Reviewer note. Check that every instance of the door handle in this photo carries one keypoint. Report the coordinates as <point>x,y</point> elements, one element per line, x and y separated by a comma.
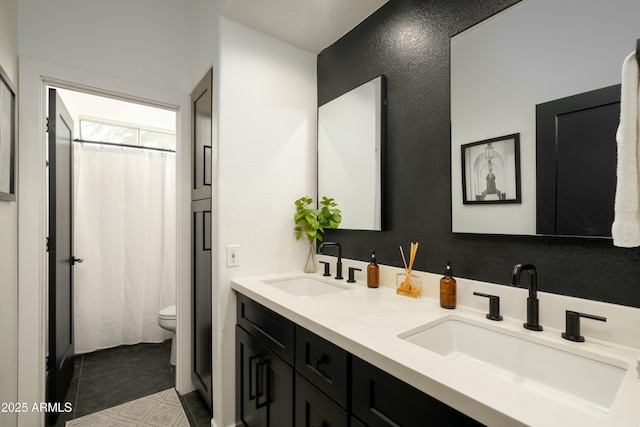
<point>75,260</point>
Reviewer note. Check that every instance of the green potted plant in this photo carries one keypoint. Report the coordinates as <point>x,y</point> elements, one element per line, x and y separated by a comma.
<point>312,223</point>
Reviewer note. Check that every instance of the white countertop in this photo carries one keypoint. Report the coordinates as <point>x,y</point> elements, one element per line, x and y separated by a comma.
<point>366,322</point>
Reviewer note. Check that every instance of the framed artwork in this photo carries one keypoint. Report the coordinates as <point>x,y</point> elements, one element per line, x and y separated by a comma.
<point>491,170</point>
<point>8,126</point>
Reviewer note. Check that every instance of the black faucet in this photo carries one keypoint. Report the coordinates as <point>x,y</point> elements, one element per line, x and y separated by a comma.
<point>572,329</point>
<point>533,312</point>
<point>327,268</point>
<point>494,306</point>
<point>339,263</point>
<point>352,274</point>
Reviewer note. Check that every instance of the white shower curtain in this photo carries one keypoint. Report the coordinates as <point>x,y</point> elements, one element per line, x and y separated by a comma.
<point>124,217</point>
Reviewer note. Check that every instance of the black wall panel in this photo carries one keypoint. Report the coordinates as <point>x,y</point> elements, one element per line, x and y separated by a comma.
<point>408,42</point>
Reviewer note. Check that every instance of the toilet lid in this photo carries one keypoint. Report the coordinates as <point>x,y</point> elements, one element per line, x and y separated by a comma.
<point>168,312</point>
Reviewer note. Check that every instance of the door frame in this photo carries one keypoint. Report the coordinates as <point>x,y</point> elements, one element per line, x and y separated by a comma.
<point>34,76</point>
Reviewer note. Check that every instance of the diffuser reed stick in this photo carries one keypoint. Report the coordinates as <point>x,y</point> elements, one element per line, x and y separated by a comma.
<point>404,260</point>
<point>406,287</point>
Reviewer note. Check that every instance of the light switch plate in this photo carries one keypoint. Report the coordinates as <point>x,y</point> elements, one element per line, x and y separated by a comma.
<point>233,255</point>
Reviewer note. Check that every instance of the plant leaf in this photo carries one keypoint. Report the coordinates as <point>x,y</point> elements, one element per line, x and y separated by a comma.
<point>313,222</point>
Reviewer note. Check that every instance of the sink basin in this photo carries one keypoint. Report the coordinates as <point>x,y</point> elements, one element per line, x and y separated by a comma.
<point>305,287</point>
<point>577,379</point>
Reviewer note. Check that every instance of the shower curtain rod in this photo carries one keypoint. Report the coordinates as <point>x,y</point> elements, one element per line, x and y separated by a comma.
<point>113,144</point>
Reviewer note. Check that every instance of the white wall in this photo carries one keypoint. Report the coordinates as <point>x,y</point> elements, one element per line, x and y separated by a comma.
<point>266,152</point>
<point>9,236</point>
<point>203,43</point>
<point>9,39</point>
<point>144,41</point>
<point>137,50</point>
<point>264,132</point>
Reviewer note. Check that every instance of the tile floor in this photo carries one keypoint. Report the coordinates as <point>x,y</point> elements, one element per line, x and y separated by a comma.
<point>118,375</point>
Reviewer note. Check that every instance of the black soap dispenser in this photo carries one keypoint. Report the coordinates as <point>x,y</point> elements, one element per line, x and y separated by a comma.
<point>373,272</point>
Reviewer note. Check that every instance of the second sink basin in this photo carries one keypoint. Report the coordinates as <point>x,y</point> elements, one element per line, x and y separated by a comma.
<point>303,286</point>
<point>552,371</point>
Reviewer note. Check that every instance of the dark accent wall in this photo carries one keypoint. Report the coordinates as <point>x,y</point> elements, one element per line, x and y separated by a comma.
<point>408,42</point>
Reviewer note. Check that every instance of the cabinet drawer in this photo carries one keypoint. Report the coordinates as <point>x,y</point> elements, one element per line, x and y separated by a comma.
<point>272,330</point>
<point>324,364</point>
<point>380,400</point>
<point>314,409</point>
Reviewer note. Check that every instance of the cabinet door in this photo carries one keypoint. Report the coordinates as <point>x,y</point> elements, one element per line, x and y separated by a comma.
<point>201,298</point>
<point>381,400</point>
<point>314,409</point>
<point>264,385</point>
<point>276,377</point>
<point>201,147</point>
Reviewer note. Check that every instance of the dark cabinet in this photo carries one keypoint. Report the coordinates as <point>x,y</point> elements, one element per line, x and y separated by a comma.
<point>268,347</point>
<point>381,400</point>
<point>265,384</point>
<point>201,235</point>
<point>264,366</point>
<point>328,387</point>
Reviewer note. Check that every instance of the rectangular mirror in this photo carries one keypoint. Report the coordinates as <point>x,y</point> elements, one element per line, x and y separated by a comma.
<point>351,137</point>
<point>535,52</point>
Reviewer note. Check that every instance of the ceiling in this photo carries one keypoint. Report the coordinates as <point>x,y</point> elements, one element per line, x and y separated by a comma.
<point>311,25</point>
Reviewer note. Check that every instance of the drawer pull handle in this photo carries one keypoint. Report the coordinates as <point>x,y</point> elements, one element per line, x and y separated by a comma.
<point>253,372</point>
<point>321,361</point>
<point>263,387</point>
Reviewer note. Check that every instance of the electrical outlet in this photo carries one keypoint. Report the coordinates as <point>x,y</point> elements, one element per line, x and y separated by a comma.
<point>233,255</point>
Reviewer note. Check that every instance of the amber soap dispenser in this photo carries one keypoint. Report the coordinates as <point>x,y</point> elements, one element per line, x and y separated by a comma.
<point>373,272</point>
<point>448,288</point>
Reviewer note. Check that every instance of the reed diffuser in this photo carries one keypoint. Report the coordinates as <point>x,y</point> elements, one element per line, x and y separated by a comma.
<point>409,284</point>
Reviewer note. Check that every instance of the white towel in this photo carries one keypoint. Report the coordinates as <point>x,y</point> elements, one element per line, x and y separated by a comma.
<point>626,225</point>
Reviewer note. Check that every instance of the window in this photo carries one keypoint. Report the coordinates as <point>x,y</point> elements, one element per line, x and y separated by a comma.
<point>94,130</point>
<point>155,139</point>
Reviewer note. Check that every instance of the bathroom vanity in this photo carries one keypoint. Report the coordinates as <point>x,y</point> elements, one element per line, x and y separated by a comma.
<point>287,375</point>
<point>344,354</point>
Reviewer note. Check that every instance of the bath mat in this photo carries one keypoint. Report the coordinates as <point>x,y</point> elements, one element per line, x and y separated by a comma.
<point>157,410</point>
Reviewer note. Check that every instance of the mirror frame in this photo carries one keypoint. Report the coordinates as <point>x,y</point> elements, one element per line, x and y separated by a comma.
<point>348,199</point>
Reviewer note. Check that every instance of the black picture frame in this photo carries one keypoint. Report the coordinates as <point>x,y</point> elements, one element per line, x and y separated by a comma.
<point>491,171</point>
<point>8,125</point>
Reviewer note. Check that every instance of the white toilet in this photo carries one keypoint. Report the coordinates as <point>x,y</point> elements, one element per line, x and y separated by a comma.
<point>167,320</point>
